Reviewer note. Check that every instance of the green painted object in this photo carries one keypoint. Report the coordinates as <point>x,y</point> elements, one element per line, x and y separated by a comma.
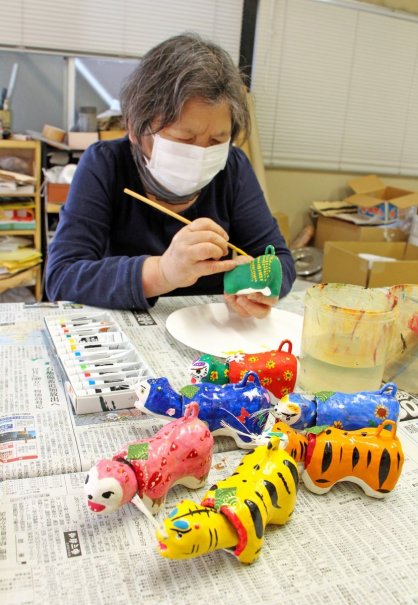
<point>263,274</point>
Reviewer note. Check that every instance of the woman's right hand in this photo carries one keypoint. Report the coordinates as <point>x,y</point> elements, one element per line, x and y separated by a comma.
<point>194,251</point>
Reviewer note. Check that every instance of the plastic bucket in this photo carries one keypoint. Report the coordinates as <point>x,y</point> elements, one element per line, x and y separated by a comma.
<point>345,337</point>
<point>402,358</point>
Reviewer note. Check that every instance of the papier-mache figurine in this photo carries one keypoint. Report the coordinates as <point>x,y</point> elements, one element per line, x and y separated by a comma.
<point>277,369</point>
<point>238,410</point>
<point>348,411</point>
<point>370,457</point>
<point>143,472</point>
<point>234,513</point>
<point>262,274</point>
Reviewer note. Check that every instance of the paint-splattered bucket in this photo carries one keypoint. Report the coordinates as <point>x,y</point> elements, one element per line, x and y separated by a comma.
<point>402,359</point>
<point>346,332</point>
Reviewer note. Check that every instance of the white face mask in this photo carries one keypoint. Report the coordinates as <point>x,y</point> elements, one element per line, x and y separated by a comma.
<point>184,169</point>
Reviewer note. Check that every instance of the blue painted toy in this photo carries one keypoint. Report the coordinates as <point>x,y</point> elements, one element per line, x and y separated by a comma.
<point>349,411</point>
<point>226,409</point>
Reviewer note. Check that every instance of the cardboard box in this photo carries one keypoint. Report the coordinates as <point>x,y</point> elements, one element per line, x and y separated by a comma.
<point>56,193</point>
<point>335,229</point>
<point>107,135</point>
<point>394,202</point>
<point>343,264</point>
<point>53,133</point>
<point>81,140</point>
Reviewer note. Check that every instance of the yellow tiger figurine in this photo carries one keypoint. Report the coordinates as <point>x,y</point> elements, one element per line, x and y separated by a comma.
<point>370,457</point>
<point>234,513</point>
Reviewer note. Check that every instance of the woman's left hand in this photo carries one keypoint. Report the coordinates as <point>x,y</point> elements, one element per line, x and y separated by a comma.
<point>251,305</point>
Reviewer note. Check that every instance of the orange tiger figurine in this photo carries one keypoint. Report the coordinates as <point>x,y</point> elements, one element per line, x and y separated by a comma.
<point>370,457</point>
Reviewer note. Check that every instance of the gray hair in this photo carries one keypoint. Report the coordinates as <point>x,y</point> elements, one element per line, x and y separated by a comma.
<point>181,68</point>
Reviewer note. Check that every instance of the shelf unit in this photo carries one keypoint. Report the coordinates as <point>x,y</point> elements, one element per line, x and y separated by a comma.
<point>29,151</point>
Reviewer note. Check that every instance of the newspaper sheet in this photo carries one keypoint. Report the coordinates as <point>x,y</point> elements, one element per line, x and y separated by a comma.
<point>338,548</point>
<point>39,433</point>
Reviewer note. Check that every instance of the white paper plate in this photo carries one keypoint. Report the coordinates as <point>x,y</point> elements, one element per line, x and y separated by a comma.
<point>215,330</point>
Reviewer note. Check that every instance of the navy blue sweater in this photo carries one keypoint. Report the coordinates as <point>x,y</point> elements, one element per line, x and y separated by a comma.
<point>104,235</point>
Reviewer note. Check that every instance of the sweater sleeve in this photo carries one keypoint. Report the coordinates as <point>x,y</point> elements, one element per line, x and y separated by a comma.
<point>79,265</point>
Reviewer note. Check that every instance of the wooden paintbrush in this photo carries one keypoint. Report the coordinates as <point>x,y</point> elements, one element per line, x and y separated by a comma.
<point>173,214</point>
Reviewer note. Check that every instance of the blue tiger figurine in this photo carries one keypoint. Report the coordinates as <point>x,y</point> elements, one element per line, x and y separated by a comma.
<point>239,410</point>
<point>349,411</point>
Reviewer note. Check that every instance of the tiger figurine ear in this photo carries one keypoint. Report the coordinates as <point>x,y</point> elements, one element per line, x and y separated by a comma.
<point>262,274</point>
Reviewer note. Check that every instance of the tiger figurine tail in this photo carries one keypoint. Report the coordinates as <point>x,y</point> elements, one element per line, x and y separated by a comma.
<point>370,457</point>
<point>234,513</point>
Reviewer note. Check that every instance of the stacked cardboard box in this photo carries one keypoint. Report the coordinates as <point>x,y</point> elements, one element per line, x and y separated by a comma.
<point>367,263</point>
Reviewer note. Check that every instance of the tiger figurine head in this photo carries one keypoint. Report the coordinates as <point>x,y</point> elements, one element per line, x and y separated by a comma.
<point>191,530</point>
<point>370,457</point>
<point>234,513</point>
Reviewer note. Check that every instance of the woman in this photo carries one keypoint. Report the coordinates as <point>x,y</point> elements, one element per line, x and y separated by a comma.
<point>184,107</point>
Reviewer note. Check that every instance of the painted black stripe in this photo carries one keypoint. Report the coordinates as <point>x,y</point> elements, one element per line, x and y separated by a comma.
<point>327,457</point>
<point>283,480</point>
<point>262,500</point>
<point>369,457</point>
<point>272,492</point>
<point>256,517</point>
<point>293,471</point>
<point>211,538</point>
<point>205,510</point>
<point>355,457</point>
<point>384,467</point>
<point>216,538</point>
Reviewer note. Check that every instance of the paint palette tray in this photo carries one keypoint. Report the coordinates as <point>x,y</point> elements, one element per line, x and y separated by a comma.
<point>98,363</point>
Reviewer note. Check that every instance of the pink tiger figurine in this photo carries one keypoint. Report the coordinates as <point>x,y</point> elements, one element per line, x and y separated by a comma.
<point>180,452</point>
